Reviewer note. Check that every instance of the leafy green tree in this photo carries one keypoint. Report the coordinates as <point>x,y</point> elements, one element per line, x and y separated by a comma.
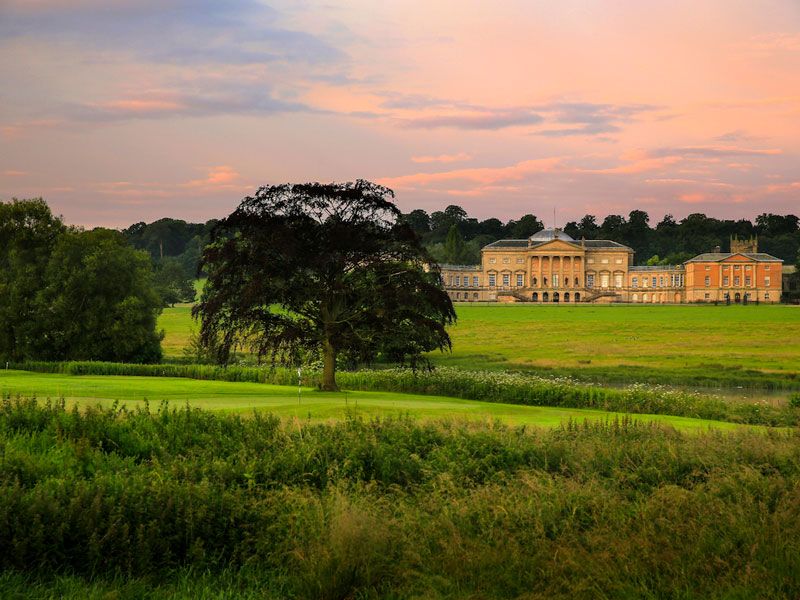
<point>454,246</point>
<point>419,221</point>
<point>525,227</point>
<point>321,268</point>
<point>98,301</point>
<point>172,282</point>
<point>28,234</point>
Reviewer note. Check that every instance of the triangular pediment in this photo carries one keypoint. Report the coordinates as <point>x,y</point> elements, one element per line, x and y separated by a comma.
<point>558,245</point>
<point>738,258</point>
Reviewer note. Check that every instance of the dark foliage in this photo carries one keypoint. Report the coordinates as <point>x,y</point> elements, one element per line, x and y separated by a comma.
<point>330,268</point>
<point>68,294</point>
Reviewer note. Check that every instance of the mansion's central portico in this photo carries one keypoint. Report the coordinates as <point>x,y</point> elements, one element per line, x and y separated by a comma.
<point>551,266</point>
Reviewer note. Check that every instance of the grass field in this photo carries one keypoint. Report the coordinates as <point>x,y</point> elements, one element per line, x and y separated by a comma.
<point>756,346</point>
<point>312,405</point>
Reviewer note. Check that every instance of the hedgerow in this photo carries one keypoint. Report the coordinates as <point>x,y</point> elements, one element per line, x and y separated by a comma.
<point>486,386</point>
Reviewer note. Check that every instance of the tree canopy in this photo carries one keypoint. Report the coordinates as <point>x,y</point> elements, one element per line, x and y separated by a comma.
<point>330,269</point>
<point>69,294</point>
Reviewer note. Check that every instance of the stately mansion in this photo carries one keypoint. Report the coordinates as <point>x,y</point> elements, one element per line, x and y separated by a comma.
<point>550,266</point>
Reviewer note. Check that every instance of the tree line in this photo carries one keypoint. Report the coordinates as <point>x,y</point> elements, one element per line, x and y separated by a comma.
<point>452,236</point>
<point>71,294</point>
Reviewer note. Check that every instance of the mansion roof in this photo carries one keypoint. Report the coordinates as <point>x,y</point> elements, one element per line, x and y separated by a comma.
<point>720,256</point>
<point>533,243</point>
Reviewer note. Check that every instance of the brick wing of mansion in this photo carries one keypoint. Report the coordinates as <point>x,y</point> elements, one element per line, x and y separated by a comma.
<point>550,266</point>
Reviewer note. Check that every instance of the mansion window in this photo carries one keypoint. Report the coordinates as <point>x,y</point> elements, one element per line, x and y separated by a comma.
<point>590,280</point>
<point>458,281</point>
<point>660,282</point>
<point>492,261</point>
<point>708,281</point>
<point>766,281</point>
<point>766,267</point>
<point>604,261</point>
<point>475,281</point>
<point>645,282</point>
<point>635,282</point>
<point>576,282</point>
<point>707,296</point>
<point>604,280</point>
<point>520,280</point>
<point>737,281</point>
<point>555,280</point>
<point>506,279</point>
<point>766,296</point>
<point>506,260</point>
<point>726,280</point>
<point>492,279</point>
<point>520,261</point>
<point>672,280</point>
<point>748,281</point>
<point>466,280</point>
<point>590,261</point>
<point>618,281</point>
<point>618,261</point>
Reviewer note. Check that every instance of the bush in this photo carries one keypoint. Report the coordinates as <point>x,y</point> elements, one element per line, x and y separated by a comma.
<point>391,508</point>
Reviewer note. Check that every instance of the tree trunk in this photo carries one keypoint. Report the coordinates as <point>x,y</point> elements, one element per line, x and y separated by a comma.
<point>329,368</point>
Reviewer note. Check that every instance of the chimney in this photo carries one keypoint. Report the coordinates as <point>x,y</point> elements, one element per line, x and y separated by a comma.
<point>717,249</point>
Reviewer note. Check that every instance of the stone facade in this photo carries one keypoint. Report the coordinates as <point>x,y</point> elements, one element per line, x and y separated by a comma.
<point>552,267</point>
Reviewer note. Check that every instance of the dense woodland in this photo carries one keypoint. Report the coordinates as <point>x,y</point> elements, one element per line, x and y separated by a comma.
<point>452,236</point>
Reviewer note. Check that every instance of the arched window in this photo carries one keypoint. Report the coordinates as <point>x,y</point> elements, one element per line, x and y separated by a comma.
<point>475,295</point>
<point>635,298</point>
<point>535,282</point>
<point>535,296</point>
<point>566,296</point>
<point>545,297</point>
<point>555,296</point>
<point>577,296</point>
<point>458,295</point>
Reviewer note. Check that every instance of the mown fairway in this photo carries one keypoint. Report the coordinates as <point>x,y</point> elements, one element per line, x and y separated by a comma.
<point>717,345</point>
<point>283,401</point>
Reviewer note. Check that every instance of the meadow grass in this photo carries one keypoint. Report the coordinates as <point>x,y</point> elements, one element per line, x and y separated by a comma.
<point>182,503</point>
<point>313,405</point>
<point>714,346</point>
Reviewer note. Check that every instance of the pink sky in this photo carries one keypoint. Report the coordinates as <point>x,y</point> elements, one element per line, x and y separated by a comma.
<point>117,111</point>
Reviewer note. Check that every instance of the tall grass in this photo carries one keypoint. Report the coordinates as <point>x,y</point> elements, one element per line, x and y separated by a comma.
<point>136,500</point>
<point>486,386</point>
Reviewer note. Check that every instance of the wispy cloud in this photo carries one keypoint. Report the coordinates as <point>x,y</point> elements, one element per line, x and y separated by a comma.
<point>174,31</point>
<point>486,120</point>
<point>253,100</point>
<point>442,158</point>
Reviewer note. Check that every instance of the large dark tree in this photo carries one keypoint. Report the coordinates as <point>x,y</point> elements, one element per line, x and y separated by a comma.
<point>28,233</point>
<point>327,268</point>
<point>98,302</point>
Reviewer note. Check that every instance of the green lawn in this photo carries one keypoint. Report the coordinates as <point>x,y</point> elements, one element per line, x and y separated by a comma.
<point>740,345</point>
<point>283,401</point>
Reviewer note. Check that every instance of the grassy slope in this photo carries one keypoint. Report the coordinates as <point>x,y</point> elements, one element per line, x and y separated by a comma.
<point>755,345</point>
<point>765,338</point>
<point>283,401</point>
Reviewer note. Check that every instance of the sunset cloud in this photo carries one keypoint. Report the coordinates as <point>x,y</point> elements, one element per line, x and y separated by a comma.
<point>442,158</point>
<point>111,107</point>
